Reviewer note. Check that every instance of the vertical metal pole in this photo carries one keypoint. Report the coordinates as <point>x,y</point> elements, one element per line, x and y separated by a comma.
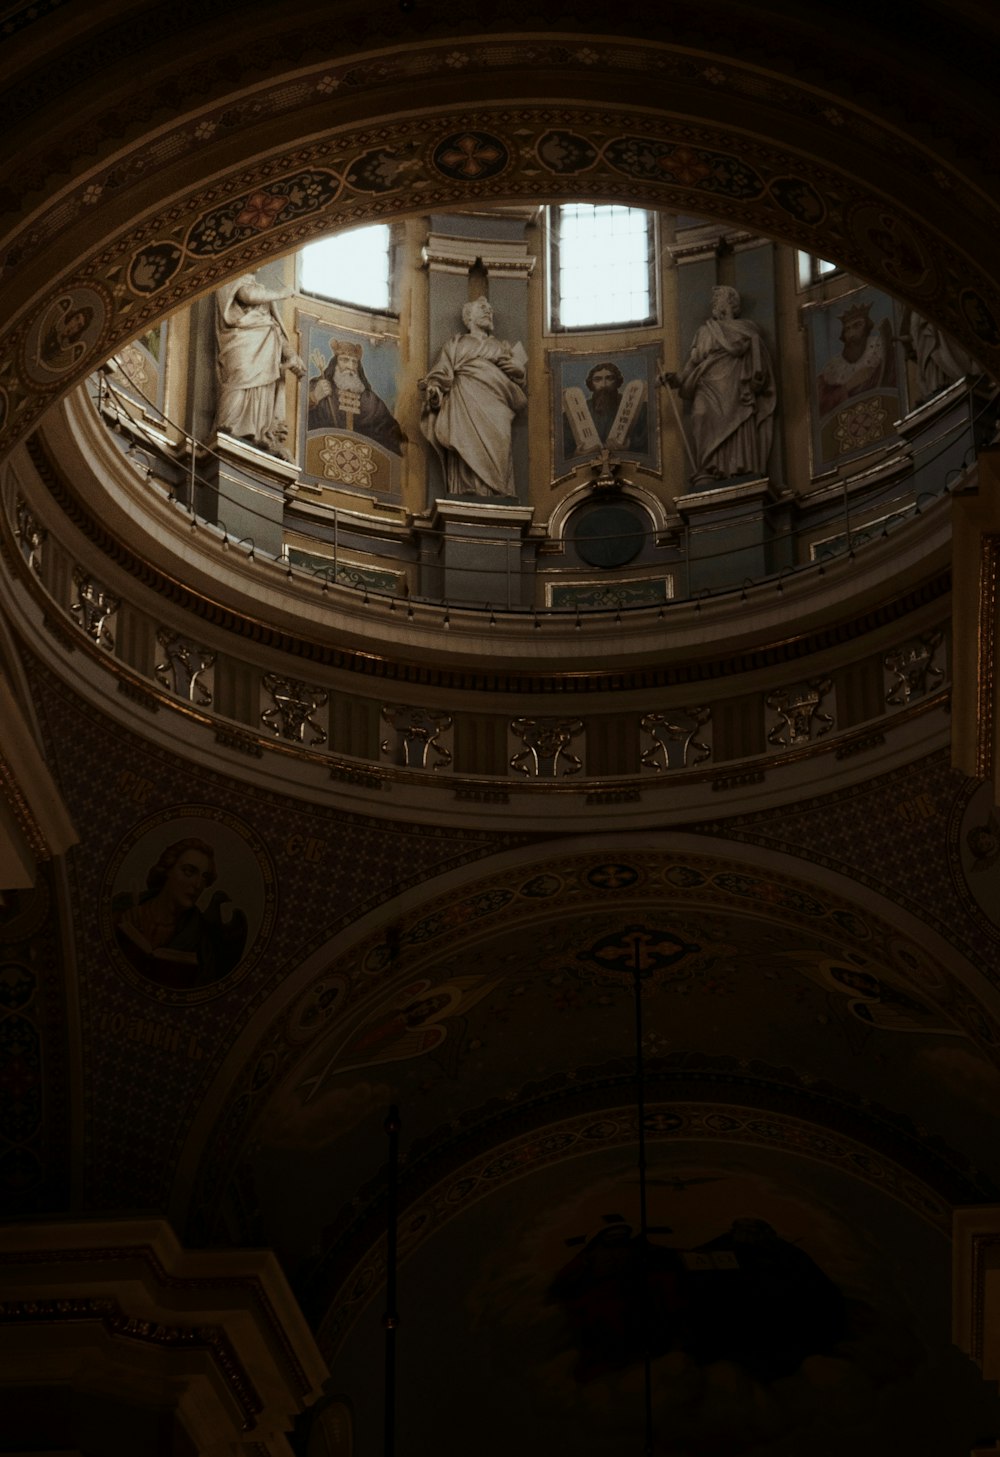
<point>640,1099</point>
<point>391,1318</point>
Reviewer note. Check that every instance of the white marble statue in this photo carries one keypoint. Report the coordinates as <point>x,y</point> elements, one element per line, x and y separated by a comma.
<point>254,353</point>
<point>729,382</point>
<point>940,361</point>
<point>470,399</point>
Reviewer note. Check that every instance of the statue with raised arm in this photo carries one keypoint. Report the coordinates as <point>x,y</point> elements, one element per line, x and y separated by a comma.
<point>729,382</point>
<point>254,353</point>
<point>470,399</point>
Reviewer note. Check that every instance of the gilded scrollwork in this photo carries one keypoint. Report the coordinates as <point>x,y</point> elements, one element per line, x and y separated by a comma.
<point>185,667</point>
<point>546,753</point>
<point>913,667</point>
<point>31,536</point>
<point>799,710</point>
<point>294,704</point>
<point>417,736</point>
<point>93,607</point>
<point>675,742</point>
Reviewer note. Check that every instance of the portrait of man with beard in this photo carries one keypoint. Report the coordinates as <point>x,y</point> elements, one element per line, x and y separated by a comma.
<point>341,398</point>
<point>615,414</point>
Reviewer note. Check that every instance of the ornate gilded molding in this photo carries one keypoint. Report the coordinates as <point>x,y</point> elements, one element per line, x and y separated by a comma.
<point>546,753</point>
<point>20,808</point>
<point>119,1323</point>
<point>244,1287</point>
<point>674,736</point>
<point>989,578</point>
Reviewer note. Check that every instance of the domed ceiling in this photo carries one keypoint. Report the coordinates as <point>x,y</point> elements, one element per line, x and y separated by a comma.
<point>814,932</point>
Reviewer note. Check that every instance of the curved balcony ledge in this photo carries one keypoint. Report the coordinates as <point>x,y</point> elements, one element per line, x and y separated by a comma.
<point>142,534</point>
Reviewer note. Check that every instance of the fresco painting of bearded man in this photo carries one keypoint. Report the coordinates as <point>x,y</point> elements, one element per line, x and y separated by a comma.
<point>855,375</point>
<point>604,400</point>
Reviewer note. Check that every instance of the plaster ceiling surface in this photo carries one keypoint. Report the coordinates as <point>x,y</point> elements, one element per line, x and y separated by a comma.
<point>518,1322</point>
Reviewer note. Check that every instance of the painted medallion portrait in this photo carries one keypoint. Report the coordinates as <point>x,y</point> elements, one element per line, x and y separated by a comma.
<point>64,334</point>
<point>188,903</point>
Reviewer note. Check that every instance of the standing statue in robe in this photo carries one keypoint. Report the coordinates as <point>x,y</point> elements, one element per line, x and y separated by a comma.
<point>470,399</point>
<point>254,353</point>
<point>729,381</point>
<point>940,361</point>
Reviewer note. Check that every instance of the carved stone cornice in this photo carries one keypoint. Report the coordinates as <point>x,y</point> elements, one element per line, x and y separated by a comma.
<point>215,1335</point>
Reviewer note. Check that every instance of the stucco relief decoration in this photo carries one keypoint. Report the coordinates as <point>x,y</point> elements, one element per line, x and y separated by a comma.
<point>293,705</point>
<point>94,607</point>
<point>187,903</point>
<point>64,334</point>
<point>913,669</point>
<point>30,535</point>
<point>674,739</point>
<point>546,753</point>
<point>799,713</point>
<point>185,668</point>
<point>416,740</point>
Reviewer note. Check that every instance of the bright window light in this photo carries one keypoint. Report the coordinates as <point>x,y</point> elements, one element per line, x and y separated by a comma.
<point>602,266</point>
<point>812,269</point>
<point>352,268</point>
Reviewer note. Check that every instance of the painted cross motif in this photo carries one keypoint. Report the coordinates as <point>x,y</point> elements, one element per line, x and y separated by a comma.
<point>471,155</point>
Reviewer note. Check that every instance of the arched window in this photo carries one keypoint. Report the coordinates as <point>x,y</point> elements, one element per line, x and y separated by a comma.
<point>350,268</point>
<point>601,266</point>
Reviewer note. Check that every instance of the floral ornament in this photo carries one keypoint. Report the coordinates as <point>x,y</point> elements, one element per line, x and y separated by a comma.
<point>350,462</point>
<point>204,130</point>
<point>327,84</point>
<point>860,424</point>
<point>260,210</point>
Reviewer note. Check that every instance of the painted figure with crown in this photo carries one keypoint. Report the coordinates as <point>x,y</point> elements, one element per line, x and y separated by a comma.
<point>342,399</point>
